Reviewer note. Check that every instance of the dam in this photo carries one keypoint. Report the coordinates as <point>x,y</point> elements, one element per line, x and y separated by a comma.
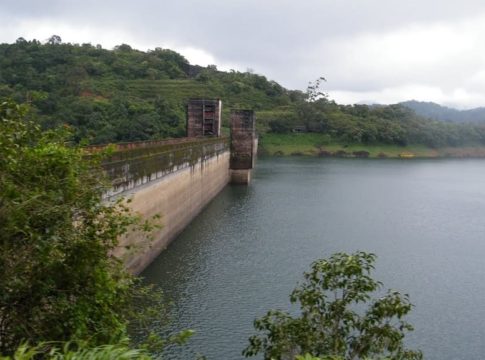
<point>171,181</point>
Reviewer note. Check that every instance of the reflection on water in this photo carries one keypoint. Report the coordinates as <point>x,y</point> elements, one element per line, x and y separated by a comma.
<point>244,254</point>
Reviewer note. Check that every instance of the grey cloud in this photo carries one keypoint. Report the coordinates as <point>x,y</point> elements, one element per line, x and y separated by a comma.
<point>289,41</point>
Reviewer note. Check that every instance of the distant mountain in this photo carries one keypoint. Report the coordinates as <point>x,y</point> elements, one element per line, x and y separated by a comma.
<point>437,112</point>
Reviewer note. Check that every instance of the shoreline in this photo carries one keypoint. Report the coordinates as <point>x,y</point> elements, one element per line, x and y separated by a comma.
<point>458,153</point>
<point>320,146</point>
<point>443,157</point>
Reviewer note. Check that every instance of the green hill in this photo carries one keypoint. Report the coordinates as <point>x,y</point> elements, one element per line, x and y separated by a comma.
<point>122,94</point>
<point>126,95</point>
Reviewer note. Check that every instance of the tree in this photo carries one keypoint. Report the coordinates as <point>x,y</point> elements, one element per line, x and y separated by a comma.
<point>54,40</point>
<point>330,324</point>
<point>58,281</point>
<point>314,90</point>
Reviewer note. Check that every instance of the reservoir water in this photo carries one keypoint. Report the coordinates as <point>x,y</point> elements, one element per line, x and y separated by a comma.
<point>425,220</point>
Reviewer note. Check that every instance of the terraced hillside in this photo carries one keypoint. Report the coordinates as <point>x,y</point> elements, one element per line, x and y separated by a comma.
<point>178,90</point>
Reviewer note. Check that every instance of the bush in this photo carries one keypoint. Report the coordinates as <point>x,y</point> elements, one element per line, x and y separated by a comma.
<point>341,153</point>
<point>361,154</point>
<point>329,324</point>
<point>58,281</point>
<point>325,153</point>
<point>70,351</point>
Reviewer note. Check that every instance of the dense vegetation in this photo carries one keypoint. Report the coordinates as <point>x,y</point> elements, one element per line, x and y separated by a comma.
<point>123,94</point>
<point>126,95</point>
<point>66,351</point>
<point>59,282</point>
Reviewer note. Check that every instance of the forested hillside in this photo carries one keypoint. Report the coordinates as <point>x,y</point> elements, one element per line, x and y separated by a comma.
<point>121,94</point>
<point>126,95</point>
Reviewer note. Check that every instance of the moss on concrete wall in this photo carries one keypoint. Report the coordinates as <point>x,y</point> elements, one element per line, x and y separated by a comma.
<point>135,164</point>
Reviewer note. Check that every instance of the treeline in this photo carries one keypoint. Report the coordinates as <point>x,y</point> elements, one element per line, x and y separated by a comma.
<point>391,124</point>
<point>126,95</point>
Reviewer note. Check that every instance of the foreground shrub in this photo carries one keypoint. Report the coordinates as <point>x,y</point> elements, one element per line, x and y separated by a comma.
<point>58,281</point>
<point>330,325</point>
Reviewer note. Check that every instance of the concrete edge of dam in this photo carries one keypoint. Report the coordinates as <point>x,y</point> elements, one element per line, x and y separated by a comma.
<point>177,198</point>
<point>175,179</point>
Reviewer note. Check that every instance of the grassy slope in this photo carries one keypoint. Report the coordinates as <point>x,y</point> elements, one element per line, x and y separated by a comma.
<point>312,144</point>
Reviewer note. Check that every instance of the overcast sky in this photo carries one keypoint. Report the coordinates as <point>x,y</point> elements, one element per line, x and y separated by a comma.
<point>381,51</point>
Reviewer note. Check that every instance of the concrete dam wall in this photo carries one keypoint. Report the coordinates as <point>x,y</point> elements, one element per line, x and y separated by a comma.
<point>175,179</point>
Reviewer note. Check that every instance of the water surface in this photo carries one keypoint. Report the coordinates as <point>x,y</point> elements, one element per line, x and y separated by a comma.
<point>425,219</point>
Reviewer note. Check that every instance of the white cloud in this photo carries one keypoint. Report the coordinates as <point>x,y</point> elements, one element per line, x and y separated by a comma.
<point>108,37</point>
<point>42,29</point>
<point>443,62</point>
<point>458,98</point>
<point>387,95</point>
<point>197,56</point>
